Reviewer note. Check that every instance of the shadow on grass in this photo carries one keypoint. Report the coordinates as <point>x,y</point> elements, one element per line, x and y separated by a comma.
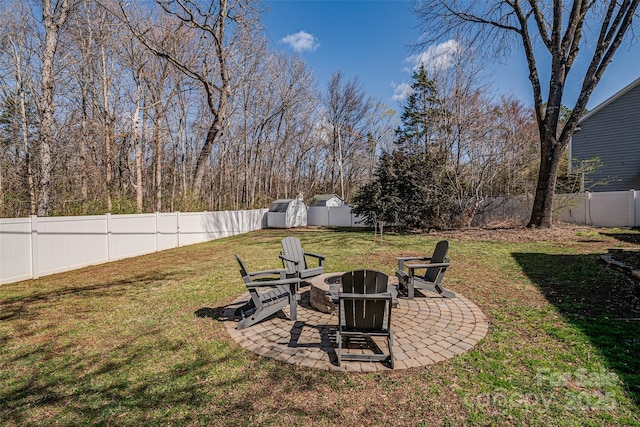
<point>14,307</point>
<point>633,238</point>
<point>103,387</point>
<point>603,304</point>
<point>211,313</point>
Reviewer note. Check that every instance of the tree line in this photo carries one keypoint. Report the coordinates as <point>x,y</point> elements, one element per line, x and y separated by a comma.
<point>124,107</point>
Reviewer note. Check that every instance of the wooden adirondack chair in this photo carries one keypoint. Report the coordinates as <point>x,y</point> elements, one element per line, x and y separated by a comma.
<point>268,296</point>
<point>364,312</point>
<point>434,269</point>
<point>294,259</point>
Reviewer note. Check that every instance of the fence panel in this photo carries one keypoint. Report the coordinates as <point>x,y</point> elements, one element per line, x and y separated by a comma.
<point>332,216</point>
<point>192,228</point>
<point>609,209</point>
<point>15,250</point>
<point>340,216</point>
<point>571,208</point>
<point>132,235</point>
<point>221,224</point>
<point>318,216</point>
<point>168,237</point>
<point>499,209</point>
<point>66,243</point>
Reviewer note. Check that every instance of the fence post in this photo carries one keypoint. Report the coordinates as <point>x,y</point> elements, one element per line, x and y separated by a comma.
<point>157,231</point>
<point>636,219</point>
<point>108,217</point>
<point>178,228</point>
<point>35,267</point>
<point>587,208</point>
<point>632,208</point>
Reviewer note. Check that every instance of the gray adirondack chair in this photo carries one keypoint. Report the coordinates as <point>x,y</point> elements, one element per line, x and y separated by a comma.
<point>268,295</point>
<point>294,259</point>
<point>364,312</point>
<point>434,268</point>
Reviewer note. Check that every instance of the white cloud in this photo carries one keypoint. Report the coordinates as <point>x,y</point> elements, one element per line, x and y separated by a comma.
<point>436,57</point>
<point>401,91</point>
<point>301,41</point>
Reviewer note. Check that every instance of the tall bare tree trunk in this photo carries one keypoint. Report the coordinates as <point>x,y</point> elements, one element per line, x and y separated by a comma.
<point>158,156</point>
<point>24,130</point>
<point>84,137</point>
<point>85,75</point>
<point>107,131</point>
<point>53,18</point>
<point>541,215</point>
<point>137,143</point>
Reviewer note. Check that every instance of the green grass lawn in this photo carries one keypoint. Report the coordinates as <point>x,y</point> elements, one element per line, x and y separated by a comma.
<point>140,342</point>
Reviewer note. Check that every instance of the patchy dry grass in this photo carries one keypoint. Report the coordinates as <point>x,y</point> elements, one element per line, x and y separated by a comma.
<point>139,341</point>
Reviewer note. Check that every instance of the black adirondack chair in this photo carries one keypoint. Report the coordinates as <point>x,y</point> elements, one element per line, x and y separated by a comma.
<point>431,280</point>
<point>268,294</point>
<point>294,259</point>
<point>364,313</point>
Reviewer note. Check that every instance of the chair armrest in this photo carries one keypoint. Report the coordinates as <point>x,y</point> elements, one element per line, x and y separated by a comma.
<point>315,255</point>
<point>401,260</point>
<point>403,276</point>
<point>295,261</point>
<point>280,272</point>
<point>320,257</point>
<point>382,295</point>
<point>413,267</point>
<point>273,283</point>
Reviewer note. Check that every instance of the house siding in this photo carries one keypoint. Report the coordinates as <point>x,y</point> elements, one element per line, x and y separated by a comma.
<point>612,133</point>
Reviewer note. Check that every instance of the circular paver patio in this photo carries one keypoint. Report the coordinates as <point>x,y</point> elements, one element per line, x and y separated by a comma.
<point>427,330</point>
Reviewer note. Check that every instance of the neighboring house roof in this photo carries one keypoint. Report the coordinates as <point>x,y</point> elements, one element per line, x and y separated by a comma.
<point>610,133</point>
<point>325,197</point>
<point>610,100</point>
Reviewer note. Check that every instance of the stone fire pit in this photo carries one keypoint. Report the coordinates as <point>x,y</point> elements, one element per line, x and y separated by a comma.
<point>323,293</point>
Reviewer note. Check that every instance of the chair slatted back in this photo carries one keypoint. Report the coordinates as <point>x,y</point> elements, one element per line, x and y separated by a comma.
<point>439,256</point>
<point>243,270</point>
<point>364,314</point>
<point>292,249</point>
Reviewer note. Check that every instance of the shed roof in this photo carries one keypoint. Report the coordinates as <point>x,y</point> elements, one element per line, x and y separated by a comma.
<point>281,205</point>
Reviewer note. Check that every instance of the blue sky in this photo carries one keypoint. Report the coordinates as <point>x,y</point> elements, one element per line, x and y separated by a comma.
<point>372,40</point>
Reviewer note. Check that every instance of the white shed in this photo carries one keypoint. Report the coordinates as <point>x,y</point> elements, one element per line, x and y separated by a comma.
<point>287,213</point>
<point>330,200</point>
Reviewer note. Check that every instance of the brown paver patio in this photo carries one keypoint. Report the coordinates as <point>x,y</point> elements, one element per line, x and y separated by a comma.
<point>427,330</point>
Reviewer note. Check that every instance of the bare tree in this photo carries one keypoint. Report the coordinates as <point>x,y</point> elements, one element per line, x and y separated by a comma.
<point>217,26</point>
<point>54,16</point>
<point>18,87</point>
<point>347,109</point>
<point>135,126</point>
<point>560,26</point>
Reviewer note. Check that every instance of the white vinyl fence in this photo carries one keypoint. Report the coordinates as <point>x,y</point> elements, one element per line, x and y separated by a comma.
<point>33,247</point>
<point>332,216</point>
<point>602,209</point>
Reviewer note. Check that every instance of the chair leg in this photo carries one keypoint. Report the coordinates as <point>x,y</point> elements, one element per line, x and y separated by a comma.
<point>445,293</point>
<point>293,305</point>
<point>240,311</point>
<point>390,344</point>
<point>438,289</point>
<point>339,352</point>
<point>410,289</point>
